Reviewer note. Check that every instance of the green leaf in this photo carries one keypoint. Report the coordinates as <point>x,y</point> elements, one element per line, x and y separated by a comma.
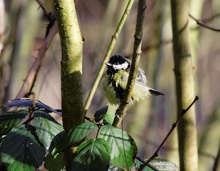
<point>92,155</point>
<point>46,127</point>
<point>11,119</point>
<point>21,151</point>
<point>123,147</point>
<point>115,168</point>
<point>159,164</point>
<point>107,113</point>
<point>54,162</point>
<point>100,114</point>
<point>59,143</point>
<point>80,132</point>
<point>164,165</point>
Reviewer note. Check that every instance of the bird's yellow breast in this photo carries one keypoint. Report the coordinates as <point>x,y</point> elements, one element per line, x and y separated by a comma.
<point>140,91</point>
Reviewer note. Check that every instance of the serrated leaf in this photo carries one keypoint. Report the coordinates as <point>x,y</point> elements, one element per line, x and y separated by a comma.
<point>21,151</point>
<point>123,147</point>
<point>107,113</point>
<point>100,114</point>
<point>26,102</point>
<point>54,162</point>
<point>46,127</point>
<point>92,155</point>
<point>159,164</point>
<point>58,143</point>
<point>75,136</point>
<point>10,119</point>
<point>109,118</point>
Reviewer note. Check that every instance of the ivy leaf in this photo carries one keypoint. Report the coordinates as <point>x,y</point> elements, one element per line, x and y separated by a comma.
<point>21,151</point>
<point>46,127</point>
<point>92,155</point>
<point>75,136</point>
<point>11,119</point>
<point>26,102</point>
<point>123,147</point>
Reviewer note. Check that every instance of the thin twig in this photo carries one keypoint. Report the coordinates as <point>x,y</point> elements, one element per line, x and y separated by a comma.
<point>42,6</point>
<point>208,19</point>
<point>134,64</point>
<point>107,55</point>
<point>201,23</point>
<point>217,161</point>
<point>184,111</point>
<point>29,81</point>
<point>149,165</point>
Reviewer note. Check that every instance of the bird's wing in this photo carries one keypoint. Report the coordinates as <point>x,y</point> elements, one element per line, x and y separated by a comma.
<point>141,78</point>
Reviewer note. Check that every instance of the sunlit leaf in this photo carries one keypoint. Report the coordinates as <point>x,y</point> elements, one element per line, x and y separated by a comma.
<point>114,168</point>
<point>80,132</point>
<point>164,165</point>
<point>123,147</point>
<point>159,164</point>
<point>92,155</point>
<point>11,119</point>
<point>20,150</point>
<point>46,127</point>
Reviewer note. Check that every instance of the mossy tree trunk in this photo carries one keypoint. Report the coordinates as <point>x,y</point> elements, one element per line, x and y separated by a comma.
<point>71,63</point>
<point>183,70</point>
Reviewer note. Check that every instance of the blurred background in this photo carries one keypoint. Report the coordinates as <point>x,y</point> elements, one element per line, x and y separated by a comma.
<point>22,32</point>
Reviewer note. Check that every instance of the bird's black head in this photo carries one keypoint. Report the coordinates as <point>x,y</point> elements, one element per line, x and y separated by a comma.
<point>117,63</point>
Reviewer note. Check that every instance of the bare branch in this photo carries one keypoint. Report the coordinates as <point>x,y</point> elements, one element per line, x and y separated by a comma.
<point>184,111</point>
<point>134,65</point>
<point>31,77</point>
<point>202,23</point>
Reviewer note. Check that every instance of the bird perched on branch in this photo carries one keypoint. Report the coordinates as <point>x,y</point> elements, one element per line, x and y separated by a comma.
<point>115,81</point>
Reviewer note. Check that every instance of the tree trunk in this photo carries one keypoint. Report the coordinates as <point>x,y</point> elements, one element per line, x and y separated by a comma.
<point>183,70</point>
<point>71,63</point>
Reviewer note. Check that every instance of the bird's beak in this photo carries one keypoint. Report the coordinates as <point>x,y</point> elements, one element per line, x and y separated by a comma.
<point>108,64</point>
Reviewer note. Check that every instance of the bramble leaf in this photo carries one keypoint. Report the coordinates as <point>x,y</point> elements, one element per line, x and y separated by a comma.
<point>92,154</point>
<point>123,147</point>
<point>46,127</point>
<point>11,119</point>
<point>21,151</point>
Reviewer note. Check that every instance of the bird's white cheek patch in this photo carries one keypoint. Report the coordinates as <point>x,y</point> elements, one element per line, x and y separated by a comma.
<point>120,66</point>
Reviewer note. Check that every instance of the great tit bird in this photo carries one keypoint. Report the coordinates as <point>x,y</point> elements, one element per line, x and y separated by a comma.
<point>115,81</point>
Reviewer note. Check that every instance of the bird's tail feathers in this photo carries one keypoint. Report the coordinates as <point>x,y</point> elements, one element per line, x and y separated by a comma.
<point>155,92</point>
